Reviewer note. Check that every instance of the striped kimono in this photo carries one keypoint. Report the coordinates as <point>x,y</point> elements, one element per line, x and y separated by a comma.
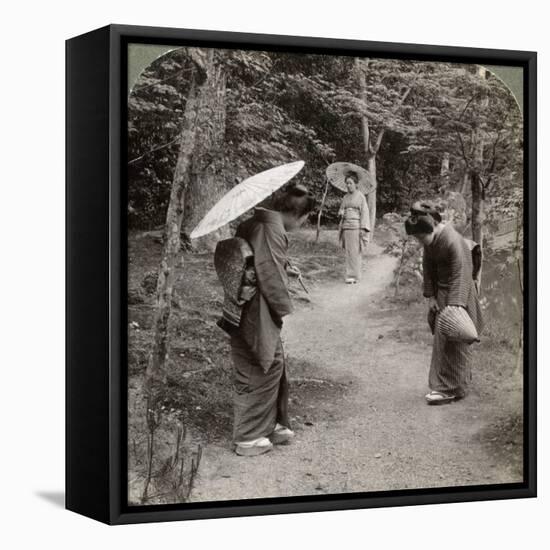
<point>447,267</point>
<point>354,225</point>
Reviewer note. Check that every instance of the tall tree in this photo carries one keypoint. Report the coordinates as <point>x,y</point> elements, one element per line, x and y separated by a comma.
<point>481,116</point>
<point>476,167</point>
<point>156,108</point>
<point>156,372</point>
<point>208,179</point>
<point>383,87</point>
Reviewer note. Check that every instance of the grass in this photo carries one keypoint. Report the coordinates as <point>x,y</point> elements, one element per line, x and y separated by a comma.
<point>197,405</point>
<point>497,374</point>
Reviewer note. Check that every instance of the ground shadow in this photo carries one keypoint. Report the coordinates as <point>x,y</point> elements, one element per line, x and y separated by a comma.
<point>56,498</point>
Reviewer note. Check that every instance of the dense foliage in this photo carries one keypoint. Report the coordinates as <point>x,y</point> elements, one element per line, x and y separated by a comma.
<point>281,107</point>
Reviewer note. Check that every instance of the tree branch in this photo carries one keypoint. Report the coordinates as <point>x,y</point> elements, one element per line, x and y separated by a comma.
<point>200,59</point>
<point>267,73</point>
<point>154,149</point>
<point>494,159</point>
<point>146,86</point>
<point>394,111</point>
<point>464,155</point>
<point>457,132</point>
<point>466,107</point>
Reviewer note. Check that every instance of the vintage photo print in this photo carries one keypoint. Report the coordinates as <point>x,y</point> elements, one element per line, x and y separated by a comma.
<point>325,274</point>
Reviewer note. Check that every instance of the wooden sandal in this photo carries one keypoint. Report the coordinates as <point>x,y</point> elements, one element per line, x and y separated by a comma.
<point>253,448</point>
<point>439,398</point>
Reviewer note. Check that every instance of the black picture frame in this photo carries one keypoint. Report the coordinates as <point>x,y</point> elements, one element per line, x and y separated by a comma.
<point>96,291</point>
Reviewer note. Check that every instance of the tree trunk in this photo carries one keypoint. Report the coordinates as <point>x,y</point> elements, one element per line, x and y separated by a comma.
<point>453,199</point>
<point>477,208</point>
<point>371,197</point>
<point>156,372</point>
<point>207,184</point>
<point>372,144</point>
<point>465,183</point>
<point>475,175</point>
<point>369,152</point>
<point>477,215</point>
<point>320,213</point>
<point>519,263</point>
<point>444,175</point>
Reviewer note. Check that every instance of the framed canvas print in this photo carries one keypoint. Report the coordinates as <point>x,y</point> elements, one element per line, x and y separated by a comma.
<point>301,274</point>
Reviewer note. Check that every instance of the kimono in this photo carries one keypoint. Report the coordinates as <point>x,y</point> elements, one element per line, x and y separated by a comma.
<point>448,276</point>
<point>260,395</point>
<point>354,220</point>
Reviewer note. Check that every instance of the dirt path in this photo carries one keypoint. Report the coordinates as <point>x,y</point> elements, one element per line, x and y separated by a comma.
<point>380,435</point>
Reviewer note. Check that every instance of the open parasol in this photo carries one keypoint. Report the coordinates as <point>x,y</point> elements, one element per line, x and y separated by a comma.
<point>244,196</point>
<point>337,172</point>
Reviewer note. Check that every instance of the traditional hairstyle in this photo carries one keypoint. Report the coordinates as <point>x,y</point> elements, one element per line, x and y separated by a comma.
<point>416,225</point>
<point>353,175</point>
<point>295,199</point>
<point>424,217</point>
<point>421,208</point>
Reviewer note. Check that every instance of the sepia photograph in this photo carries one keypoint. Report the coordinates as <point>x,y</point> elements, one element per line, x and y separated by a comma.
<point>324,274</point>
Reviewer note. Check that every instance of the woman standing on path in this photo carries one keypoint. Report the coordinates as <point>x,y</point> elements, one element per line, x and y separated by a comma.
<point>448,281</point>
<point>260,380</point>
<point>354,227</point>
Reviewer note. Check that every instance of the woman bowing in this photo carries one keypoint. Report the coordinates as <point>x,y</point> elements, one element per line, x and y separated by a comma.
<point>448,282</point>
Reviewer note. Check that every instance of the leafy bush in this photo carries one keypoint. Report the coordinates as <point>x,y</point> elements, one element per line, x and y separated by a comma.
<point>406,249</point>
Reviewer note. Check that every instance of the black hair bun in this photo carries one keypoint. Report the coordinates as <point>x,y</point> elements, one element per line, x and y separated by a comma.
<point>420,225</point>
<point>353,175</point>
<point>426,208</point>
<point>298,190</point>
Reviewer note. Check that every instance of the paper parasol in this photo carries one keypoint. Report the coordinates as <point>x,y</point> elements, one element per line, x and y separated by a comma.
<point>337,172</point>
<point>244,196</point>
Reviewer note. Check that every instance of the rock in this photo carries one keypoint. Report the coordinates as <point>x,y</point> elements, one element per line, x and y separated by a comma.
<point>149,282</point>
<point>135,297</point>
<point>377,455</point>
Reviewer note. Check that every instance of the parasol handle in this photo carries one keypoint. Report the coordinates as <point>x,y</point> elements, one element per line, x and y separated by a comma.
<point>300,278</point>
<point>301,281</point>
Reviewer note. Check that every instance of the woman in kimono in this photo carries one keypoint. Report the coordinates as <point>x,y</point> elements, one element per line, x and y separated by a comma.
<point>260,379</point>
<point>354,227</point>
<point>448,281</point>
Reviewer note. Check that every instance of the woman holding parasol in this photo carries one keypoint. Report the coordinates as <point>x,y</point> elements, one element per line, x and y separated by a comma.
<point>355,226</point>
<point>260,394</point>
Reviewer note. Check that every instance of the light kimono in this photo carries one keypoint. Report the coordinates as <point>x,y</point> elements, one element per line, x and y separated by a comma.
<point>354,231</point>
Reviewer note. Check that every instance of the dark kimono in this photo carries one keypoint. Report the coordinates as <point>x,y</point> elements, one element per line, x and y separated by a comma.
<point>447,266</point>
<point>261,388</point>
